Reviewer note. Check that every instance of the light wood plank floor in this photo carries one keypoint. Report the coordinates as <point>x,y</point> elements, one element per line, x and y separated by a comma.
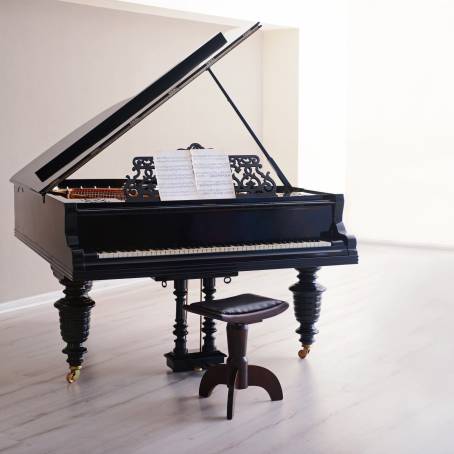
<point>379,379</point>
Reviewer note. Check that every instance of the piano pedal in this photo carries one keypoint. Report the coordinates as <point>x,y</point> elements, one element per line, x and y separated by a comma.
<point>74,374</point>
<point>304,351</point>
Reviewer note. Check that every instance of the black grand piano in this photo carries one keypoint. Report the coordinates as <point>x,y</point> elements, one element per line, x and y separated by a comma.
<point>81,226</point>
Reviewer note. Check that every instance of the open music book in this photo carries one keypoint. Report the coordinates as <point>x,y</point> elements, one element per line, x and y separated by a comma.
<point>193,174</point>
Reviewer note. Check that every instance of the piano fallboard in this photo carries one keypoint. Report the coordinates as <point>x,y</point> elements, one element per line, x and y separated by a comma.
<point>206,225</point>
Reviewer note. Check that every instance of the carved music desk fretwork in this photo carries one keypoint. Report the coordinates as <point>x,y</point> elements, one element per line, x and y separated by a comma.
<point>247,175</point>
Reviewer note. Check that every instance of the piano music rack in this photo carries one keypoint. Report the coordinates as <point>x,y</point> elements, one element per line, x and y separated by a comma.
<point>248,177</point>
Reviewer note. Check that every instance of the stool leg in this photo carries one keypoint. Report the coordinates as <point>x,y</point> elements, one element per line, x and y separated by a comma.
<point>233,373</point>
<point>259,376</point>
<point>215,375</point>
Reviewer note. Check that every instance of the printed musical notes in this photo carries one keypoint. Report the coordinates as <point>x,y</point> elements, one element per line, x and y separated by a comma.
<point>213,177</point>
<point>175,175</point>
<point>193,174</point>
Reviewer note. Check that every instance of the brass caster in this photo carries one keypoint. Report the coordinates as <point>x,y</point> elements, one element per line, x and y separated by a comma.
<point>73,374</point>
<point>304,351</point>
<point>198,369</point>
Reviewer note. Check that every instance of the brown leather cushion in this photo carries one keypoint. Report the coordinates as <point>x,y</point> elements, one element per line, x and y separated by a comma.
<point>245,308</point>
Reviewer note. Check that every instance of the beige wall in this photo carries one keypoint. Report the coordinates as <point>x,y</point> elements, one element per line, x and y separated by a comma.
<point>63,63</point>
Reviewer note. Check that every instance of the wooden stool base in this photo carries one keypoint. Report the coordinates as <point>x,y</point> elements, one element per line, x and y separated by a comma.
<point>224,374</point>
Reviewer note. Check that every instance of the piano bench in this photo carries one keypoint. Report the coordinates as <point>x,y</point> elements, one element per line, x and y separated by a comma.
<point>239,311</point>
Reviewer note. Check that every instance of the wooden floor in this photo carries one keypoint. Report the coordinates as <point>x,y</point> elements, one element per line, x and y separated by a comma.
<point>379,379</point>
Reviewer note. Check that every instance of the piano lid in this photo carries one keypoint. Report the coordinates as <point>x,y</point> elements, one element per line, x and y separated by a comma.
<point>74,150</point>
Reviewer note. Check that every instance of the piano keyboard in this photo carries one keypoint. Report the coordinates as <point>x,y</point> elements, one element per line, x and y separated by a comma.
<point>214,249</point>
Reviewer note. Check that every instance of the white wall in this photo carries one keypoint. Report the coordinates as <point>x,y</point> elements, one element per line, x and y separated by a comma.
<point>63,63</point>
<point>377,114</point>
<point>401,121</point>
<point>324,66</point>
<point>280,126</point>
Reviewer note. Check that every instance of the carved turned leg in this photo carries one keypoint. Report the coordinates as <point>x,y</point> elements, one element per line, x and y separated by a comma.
<point>180,326</point>
<point>74,309</point>
<point>307,295</point>
<point>209,325</point>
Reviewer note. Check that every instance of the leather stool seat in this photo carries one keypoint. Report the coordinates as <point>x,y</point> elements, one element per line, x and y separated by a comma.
<point>245,308</point>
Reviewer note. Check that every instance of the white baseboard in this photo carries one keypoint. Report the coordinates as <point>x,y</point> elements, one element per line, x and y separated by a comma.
<point>51,297</point>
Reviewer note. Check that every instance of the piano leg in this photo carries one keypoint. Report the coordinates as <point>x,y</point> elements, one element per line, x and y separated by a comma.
<point>307,295</point>
<point>74,309</point>
<point>209,325</point>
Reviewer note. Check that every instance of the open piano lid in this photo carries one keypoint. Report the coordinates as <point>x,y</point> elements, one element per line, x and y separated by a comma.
<point>74,150</point>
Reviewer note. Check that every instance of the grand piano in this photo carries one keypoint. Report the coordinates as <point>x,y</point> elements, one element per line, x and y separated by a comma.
<point>83,227</point>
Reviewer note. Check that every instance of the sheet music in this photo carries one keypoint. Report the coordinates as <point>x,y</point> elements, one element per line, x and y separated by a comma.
<point>212,173</point>
<point>175,175</point>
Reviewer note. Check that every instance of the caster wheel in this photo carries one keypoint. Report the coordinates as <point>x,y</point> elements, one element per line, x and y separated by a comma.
<point>304,351</point>
<point>74,374</point>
